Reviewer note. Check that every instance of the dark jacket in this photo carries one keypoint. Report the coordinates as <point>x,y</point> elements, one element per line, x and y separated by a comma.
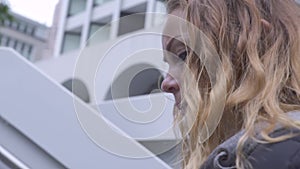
<point>281,155</point>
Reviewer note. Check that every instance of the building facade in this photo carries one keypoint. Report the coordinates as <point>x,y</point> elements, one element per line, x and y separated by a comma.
<point>26,36</point>
<point>80,19</point>
<point>77,21</point>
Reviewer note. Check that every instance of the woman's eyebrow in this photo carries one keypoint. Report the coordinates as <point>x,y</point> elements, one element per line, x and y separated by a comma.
<point>168,46</point>
<point>171,41</point>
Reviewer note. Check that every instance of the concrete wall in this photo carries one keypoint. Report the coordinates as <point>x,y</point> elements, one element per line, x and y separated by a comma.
<point>100,64</point>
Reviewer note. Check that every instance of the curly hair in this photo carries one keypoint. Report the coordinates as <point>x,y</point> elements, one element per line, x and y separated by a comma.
<point>258,44</point>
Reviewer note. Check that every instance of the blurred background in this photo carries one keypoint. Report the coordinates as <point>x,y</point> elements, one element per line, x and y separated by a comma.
<point>43,41</point>
<point>53,43</point>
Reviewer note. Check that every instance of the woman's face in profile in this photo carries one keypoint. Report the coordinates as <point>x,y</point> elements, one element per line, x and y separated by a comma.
<point>174,55</point>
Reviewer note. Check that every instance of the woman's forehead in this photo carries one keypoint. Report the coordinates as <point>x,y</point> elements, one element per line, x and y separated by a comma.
<point>172,25</point>
<point>173,22</point>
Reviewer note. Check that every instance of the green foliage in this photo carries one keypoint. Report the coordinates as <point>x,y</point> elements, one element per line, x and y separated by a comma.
<point>4,13</point>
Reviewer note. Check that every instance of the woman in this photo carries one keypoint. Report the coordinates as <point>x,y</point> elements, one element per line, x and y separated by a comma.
<point>243,112</point>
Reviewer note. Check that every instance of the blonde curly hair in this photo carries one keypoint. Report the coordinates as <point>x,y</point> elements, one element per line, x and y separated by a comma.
<point>258,44</point>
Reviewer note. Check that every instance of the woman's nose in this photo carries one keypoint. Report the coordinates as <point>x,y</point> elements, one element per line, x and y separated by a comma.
<point>169,84</point>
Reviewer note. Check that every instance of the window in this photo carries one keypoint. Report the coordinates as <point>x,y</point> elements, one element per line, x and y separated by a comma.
<point>7,41</point>
<point>30,50</point>
<point>27,51</point>
<point>29,30</point>
<point>71,41</point>
<point>76,6</point>
<point>32,31</point>
<point>132,19</point>
<point>100,2</point>
<point>19,46</point>
<point>3,40</point>
<point>22,27</point>
<point>14,25</point>
<point>11,43</point>
<point>1,36</point>
<point>98,33</point>
<point>130,23</point>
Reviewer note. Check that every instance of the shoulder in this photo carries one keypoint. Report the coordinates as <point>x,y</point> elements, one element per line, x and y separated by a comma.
<point>280,155</point>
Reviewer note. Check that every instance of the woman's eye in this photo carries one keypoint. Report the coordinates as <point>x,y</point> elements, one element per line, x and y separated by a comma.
<point>183,55</point>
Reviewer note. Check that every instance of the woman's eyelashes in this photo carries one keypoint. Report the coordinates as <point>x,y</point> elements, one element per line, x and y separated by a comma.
<point>183,55</point>
<point>172,58</point>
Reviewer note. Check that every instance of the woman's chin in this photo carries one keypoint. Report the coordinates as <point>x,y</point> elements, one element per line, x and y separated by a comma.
<point>177,105</point>
<point>179,109</point>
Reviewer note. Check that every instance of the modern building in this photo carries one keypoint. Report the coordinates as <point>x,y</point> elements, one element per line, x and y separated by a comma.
<point>75,25</point>
<point>81,18</point>
<point>44,130</point>
<point>26,36</point>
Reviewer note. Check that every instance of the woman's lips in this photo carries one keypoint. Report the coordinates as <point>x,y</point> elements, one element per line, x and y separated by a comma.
<point>177,100</point>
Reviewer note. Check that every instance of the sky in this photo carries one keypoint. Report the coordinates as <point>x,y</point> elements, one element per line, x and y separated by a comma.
<point>38,10</point>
